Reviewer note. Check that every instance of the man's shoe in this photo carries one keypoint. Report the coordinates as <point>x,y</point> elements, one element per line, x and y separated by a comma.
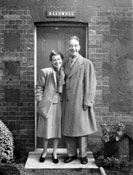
<point>83,160</point>
<point>70,159</point>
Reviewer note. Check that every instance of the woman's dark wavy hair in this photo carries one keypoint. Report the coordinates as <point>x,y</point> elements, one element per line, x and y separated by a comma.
<point>54,53</point>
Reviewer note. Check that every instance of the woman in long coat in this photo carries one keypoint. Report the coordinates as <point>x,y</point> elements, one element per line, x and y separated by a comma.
<point>48,96</point>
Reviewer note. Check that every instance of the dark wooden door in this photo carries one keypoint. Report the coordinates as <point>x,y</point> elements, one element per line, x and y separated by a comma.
<point>56,37</point>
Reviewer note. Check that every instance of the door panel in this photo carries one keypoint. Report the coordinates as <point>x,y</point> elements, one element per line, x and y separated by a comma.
<point>56,37</point>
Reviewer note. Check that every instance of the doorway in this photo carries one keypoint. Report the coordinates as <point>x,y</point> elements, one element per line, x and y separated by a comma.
<point>56,36</point>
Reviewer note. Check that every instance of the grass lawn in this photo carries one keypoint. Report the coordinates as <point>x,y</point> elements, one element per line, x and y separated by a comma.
<point>18,169</point>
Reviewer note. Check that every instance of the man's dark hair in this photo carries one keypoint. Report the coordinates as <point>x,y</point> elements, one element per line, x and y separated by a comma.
<point>54,53</point>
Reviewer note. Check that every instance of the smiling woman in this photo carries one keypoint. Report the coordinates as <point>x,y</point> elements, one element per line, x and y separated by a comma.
<point>56,59</point>
<point>48,96</point>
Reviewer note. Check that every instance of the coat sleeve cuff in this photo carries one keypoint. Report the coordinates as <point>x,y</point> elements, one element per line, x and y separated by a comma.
<point>89,103</point>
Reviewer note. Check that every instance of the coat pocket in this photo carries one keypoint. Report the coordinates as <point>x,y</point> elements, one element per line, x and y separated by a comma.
<point>43,108</point>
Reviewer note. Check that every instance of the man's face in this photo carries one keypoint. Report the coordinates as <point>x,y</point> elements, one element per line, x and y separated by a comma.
<point>74,47</point>
<point>56,61</point>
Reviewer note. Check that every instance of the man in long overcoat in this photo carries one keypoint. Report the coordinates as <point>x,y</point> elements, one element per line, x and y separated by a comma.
<point>79,92</point>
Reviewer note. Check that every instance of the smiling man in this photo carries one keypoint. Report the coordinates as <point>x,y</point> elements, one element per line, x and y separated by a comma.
<point>79,93</point>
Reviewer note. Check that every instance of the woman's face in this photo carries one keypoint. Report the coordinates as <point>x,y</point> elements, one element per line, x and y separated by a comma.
<point>56,61</point>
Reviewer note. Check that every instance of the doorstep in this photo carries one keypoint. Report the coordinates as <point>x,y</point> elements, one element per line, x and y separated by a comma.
<point>33,161</point>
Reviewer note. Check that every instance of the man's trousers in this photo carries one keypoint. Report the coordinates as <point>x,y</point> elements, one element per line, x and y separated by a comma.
<point>76,142</point>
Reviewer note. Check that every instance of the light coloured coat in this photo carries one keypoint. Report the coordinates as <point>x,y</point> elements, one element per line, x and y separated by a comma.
<point>49,126</point>
<point>79,90</point>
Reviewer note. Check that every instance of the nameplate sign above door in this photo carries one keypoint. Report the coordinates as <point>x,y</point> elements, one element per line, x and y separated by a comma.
<point>61,14</point>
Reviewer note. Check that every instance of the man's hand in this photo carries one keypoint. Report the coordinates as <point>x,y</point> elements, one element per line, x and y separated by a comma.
<point>85,107</point>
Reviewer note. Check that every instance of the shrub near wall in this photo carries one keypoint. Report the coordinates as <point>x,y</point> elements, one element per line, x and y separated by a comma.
<point>6,144</point>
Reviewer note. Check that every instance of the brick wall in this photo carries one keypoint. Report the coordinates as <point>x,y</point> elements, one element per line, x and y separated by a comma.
<point>109,48</point>
<point>17,75</point>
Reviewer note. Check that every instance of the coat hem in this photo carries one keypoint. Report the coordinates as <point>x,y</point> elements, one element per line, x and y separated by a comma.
<point>68,135</point>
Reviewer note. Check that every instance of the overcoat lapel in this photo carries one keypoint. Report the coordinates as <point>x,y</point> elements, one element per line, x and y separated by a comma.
<point>75,67</point>
<point>67,67</point>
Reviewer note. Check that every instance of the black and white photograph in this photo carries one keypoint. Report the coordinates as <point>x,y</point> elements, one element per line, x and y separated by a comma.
<point>66,87</point>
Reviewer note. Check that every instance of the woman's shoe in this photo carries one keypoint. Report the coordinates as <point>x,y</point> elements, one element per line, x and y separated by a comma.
<point>41,159</point>
<point>55,160</point>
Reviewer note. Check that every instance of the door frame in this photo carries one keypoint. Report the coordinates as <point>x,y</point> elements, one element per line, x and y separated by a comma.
<point>51,24</point>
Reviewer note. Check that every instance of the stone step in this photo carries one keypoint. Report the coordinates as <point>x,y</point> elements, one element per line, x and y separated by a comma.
<point>33,161</point>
